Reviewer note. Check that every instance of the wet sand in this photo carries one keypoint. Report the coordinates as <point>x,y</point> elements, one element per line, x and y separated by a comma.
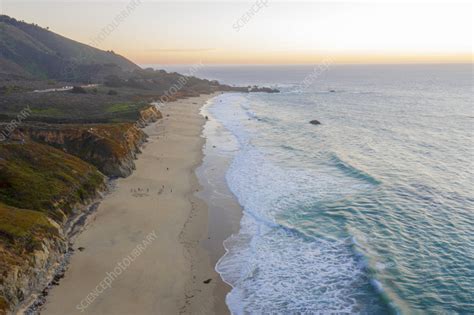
<point>151,228</point>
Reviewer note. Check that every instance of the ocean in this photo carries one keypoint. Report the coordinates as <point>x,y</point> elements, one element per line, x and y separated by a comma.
<point>370,212</point>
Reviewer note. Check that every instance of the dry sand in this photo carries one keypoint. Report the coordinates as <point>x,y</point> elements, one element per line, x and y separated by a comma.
<point>168,275</point>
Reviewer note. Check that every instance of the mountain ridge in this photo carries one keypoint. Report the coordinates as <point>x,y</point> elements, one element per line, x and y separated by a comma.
<point>30,51</point>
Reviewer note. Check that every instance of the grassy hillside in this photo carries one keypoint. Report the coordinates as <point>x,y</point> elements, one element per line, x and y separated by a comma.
<point>41,178</point>
<point>39,188</point>
<point>23,229</point>
<point>27,50</point>
<point>62,107</point>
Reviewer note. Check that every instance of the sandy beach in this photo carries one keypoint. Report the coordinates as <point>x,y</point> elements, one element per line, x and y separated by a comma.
<point>141,253</point>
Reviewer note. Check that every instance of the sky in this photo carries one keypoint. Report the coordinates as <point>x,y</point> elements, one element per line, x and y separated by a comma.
<point>261,31</point>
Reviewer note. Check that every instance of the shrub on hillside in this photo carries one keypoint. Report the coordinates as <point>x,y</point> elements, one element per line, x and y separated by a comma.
<point>113,81</point>
<point>78,90</point>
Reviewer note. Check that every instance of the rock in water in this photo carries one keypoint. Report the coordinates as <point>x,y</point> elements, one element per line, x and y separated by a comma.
<point>315,122</point>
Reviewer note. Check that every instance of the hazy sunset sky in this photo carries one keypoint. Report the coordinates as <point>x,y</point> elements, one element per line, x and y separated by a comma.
<point>158,32</point>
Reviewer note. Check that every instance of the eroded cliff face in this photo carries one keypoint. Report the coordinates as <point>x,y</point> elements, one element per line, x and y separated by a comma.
<point>149,115</point>
<point>32,264</point>
<point>30,269</point>
<point>112,148</point>
<point>44,192</point>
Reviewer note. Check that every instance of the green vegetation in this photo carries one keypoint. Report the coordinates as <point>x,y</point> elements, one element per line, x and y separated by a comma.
<point>9,89</point>
<point>78,90</point>
<point>65,107</point>
<point>31,51</point>
<point>40,182</point>
<point>23,229</point>
<point>121,107</point>
<point>48,112</point>
<point>22,232</point>
<point>105,146</point>
<point>41,178</point>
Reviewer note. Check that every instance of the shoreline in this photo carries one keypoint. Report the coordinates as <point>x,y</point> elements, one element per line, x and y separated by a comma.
<point>225,213</point>
<point>172,274</point>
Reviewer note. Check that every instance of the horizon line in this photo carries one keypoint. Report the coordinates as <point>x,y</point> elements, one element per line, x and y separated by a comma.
<point>146,65</point>
<point>462,58</point>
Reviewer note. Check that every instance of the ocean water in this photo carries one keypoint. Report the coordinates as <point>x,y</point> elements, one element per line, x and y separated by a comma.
<point>371,212</point>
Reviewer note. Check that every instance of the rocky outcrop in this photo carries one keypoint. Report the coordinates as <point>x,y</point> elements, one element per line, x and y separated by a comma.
<point>263,89</point>
<point>149,115</point>
<point>246,89</point>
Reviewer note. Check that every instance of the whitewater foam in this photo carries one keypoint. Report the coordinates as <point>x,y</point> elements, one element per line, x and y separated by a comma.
<point>272,266</point>
<point>383,185</point>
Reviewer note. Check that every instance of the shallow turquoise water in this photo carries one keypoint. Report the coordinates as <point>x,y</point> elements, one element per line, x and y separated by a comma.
<point>370,212</point>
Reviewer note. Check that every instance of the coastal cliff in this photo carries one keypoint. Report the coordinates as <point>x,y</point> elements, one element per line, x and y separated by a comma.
<point>44,191</point>
<point>112,148</point>
<point>51,178</point>
<point>25,266</point>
